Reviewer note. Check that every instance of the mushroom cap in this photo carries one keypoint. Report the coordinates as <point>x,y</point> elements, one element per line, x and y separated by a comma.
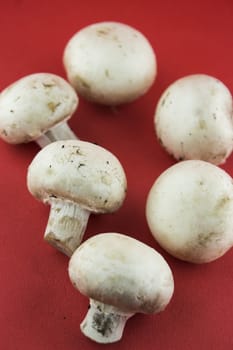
<point>34,104</point>
<point>78,171</point>
<point>110,63</point>
<point>121,271</point>
<point>189,211</point>
<point>193,119</point>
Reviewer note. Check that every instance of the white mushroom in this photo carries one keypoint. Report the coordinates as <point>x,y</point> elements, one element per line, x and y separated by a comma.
<point>36,108</point>
<point>189,211</point>
<point>121,276</point>
<point>110,63</point>
<point>193,119</point>
<point>76,178</point>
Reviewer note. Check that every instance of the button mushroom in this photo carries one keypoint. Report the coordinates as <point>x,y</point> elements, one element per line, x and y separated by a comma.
<point>76,178</point>
<point>36,108</point>
<point>189,211</point>
<point>110,63</point>
<point>193,119</point>
<point>121,276</point>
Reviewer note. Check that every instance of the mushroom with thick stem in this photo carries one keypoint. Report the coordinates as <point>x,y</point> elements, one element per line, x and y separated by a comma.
<point>36,108</point>
<point>189,211</point>
<point>110,63</point>
<point>108,269</point>
<point>193,119</point>
<point>76,178</point>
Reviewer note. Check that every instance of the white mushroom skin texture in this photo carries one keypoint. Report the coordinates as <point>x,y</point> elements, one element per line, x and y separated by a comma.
<point>193,119</point>
<point>36,108</point>
<point>76,178</point>
<point>189,211</point>
<point>110,63</point>
<point>121,276</point>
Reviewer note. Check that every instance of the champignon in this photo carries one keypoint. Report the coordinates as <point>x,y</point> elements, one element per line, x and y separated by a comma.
<point>121,276</point>
<point>193,119</point>
<point>189,211</point>
<point>36,108</point>
<point>110,63</point>
<point>75,178</point>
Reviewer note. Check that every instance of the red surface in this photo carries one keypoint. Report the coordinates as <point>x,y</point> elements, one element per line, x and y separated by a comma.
<point>39,308</point>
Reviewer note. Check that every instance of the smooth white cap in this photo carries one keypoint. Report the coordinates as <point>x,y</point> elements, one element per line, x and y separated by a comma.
<point>118,270</point>
<point>110,63</point>
<point>189,211</point>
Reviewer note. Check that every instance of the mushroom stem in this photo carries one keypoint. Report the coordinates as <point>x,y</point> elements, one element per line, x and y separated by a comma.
<point>60,131</point>
<point>66,225</point>
<point>104,323</point>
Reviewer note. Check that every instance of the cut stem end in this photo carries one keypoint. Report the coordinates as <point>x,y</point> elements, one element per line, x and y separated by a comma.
<point>104,323</point>
<point>66,225</point>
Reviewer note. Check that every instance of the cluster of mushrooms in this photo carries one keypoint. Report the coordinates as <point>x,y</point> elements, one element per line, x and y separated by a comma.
<point>189,207</point>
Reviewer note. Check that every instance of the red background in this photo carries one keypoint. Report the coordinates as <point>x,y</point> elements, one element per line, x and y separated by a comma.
<point>39,308</point>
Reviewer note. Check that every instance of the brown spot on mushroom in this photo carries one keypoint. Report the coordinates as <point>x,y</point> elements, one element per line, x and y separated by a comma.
<point>163,102</point>
<point>37,195</point>
<point>48,85</point>
<point>221,155</point>
<point>202,124</point>
<point>160,141</point>
<point>106,72</point>
<point>165,98</point>
<point>103,31</point>
<point>80,165</point>
<point>4,132</point>
<point>106,179</point>
<point>78,151</point>
<point>82,82</point>
<point>222,202</point>
<point>50,171</point>
<point>204,239</point>
<point>53,106</point>
<point>149,306</point>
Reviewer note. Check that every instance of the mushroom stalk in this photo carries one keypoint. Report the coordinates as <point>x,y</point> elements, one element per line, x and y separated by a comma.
<point>66,225</point>
<point>104,323</point>
<point>61,131</point>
